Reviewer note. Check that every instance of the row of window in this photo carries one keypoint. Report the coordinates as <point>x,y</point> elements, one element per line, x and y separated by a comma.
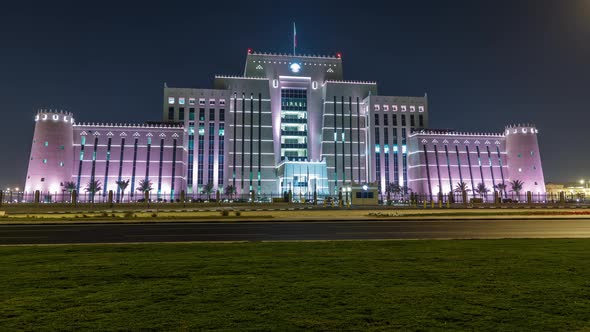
<point>394,108</point>
<point>212,112</point>
<point>394,118</point>
<point>192,101</point>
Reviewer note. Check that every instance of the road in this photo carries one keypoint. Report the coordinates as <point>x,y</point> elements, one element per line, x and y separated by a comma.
<point>278,231</point>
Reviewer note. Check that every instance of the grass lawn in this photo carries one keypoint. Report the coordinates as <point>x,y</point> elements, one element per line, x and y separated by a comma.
<point>359,285</point>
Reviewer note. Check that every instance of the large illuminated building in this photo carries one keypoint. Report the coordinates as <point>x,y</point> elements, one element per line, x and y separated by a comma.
<point>288,123</point>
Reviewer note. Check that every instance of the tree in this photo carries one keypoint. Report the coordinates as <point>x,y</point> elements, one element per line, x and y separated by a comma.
<point>517,187</point>
<point>144,186</point>
<point>230,190</point>
<point>482,190</point>
<point>70,186</point>
<point>93,187</point>
<point>501,187</point>
<point>208,189</point>
<point>394,188</point>
<point>122,185</point>
<point>462,187</point>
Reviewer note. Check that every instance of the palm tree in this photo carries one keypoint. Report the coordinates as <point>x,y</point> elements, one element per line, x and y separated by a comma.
<point>517,187</point>
<point>230,190</point>
<point>144,186</point>
<point>501,187</point>
<point>93,187</point>
<point>462,188</point>
<point>70,186</point>
<point>122,185</point>
<point>394,188</point>
<point>482,189</point>
<point>208,189</point>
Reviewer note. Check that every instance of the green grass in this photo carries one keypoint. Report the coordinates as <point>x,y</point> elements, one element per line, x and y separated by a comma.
<point>367,285</point>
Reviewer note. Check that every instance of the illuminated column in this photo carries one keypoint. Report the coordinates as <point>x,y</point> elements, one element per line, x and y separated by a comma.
<point>51,159</point>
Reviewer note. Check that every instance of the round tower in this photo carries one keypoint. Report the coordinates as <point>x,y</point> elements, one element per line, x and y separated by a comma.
<point>524,159</point>
<point>52,152</point>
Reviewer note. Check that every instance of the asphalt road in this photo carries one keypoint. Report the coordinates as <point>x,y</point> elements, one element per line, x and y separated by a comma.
<point>277,231</point>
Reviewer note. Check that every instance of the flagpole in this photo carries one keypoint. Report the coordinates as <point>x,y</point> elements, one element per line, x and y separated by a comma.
<point>294,38</point>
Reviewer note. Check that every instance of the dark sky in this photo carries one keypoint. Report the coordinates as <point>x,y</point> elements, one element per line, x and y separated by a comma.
<point>484,64</point>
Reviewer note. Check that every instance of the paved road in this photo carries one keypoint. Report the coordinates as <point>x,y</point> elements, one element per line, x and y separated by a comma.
<point>259,231</point>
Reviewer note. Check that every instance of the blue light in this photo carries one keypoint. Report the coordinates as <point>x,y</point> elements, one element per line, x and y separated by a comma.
<point>295,67</point>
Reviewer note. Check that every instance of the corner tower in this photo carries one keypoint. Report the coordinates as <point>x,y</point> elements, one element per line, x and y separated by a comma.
<point>52,152</point>
<point>523,157</point>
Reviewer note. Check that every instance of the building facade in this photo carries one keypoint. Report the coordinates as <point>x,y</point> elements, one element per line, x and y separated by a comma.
<point>289,123</point>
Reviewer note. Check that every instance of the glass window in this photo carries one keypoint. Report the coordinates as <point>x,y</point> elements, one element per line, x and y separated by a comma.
<point>412,108</point>
<point>191,114</point>
<point>421,120</point>
<point>191,101</point>
<point>61,147</point>
<point>420,109</point>
<point>394,108</point>
<point>170,100</point>
<point>201,101</point>
<point>46,143</point>
<point>211,101</point>
<point>222,115</point>
<point>181,101</point>
<point>376,107</point>
<point>222,102</point>
<point>170,113</point>
<point>394,118</point>
<point>61,164</point>
<point>376,119</point>
<point>211,114</point>
<point>412,120</point>
<point>386,119</point>
<point>403,108</point>
<point>201,114</point>
<point>403,119</point>
<point>181,114</point>
<point>45,161</point>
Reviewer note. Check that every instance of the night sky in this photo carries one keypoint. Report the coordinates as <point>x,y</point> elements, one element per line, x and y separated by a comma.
<point>483,64</point>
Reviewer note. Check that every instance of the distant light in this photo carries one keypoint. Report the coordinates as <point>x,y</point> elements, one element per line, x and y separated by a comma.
<point>339,55</point>
<point>249,51</point>
<point>295,67</point>
<point>582,181</point>
<point>365,187</point>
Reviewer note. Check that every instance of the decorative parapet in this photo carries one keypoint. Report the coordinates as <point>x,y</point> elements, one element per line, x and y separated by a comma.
<point>129,125</point>
<point>241,77</point>
<point>351,82</point>
<point>333,57</point>
<point>453,133</point>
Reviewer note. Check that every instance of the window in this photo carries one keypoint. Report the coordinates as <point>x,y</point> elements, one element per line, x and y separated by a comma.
<point>45,161</point>
<point>376,119</point>
<point>376,108</point>
<point>520,169</point>
<point>222,102</point>
<point>221,131</point>
<point>394,108</point>
<point>211,102</point>
<point>61,147</point>
<point>222,115</point>
<point>519,155</point>
<point>412,108</point>
<point>385,108</point>
<point>191,114</point>
<point>412,120</point>
<point>181,114</point>
<point>403,119</point>
<point>191,101</point>
<point>42,179</point>
<point>61,164</point>
<point>532,153</point>
<point>46,143</point>
<point>394,118</point>
<point>170,113</point>
<point>421,120</point>
<point>201,114</point>
<point>181,101</point>
<point>420,109</point>
<point>403,108</point>
<point>201,101</point>
<point>171,100</point>
<point>211,114</point>
<point>386,119</point>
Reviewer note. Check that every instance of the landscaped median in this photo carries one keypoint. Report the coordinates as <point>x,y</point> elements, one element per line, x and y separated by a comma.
<point>482,285</point>
<point>286,214</point>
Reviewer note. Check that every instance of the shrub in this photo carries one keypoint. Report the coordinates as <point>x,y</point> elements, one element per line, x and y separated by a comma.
<point>238,213</point>
<point>225,213</point>
<point>128,214</point>
<point>154,215</point>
